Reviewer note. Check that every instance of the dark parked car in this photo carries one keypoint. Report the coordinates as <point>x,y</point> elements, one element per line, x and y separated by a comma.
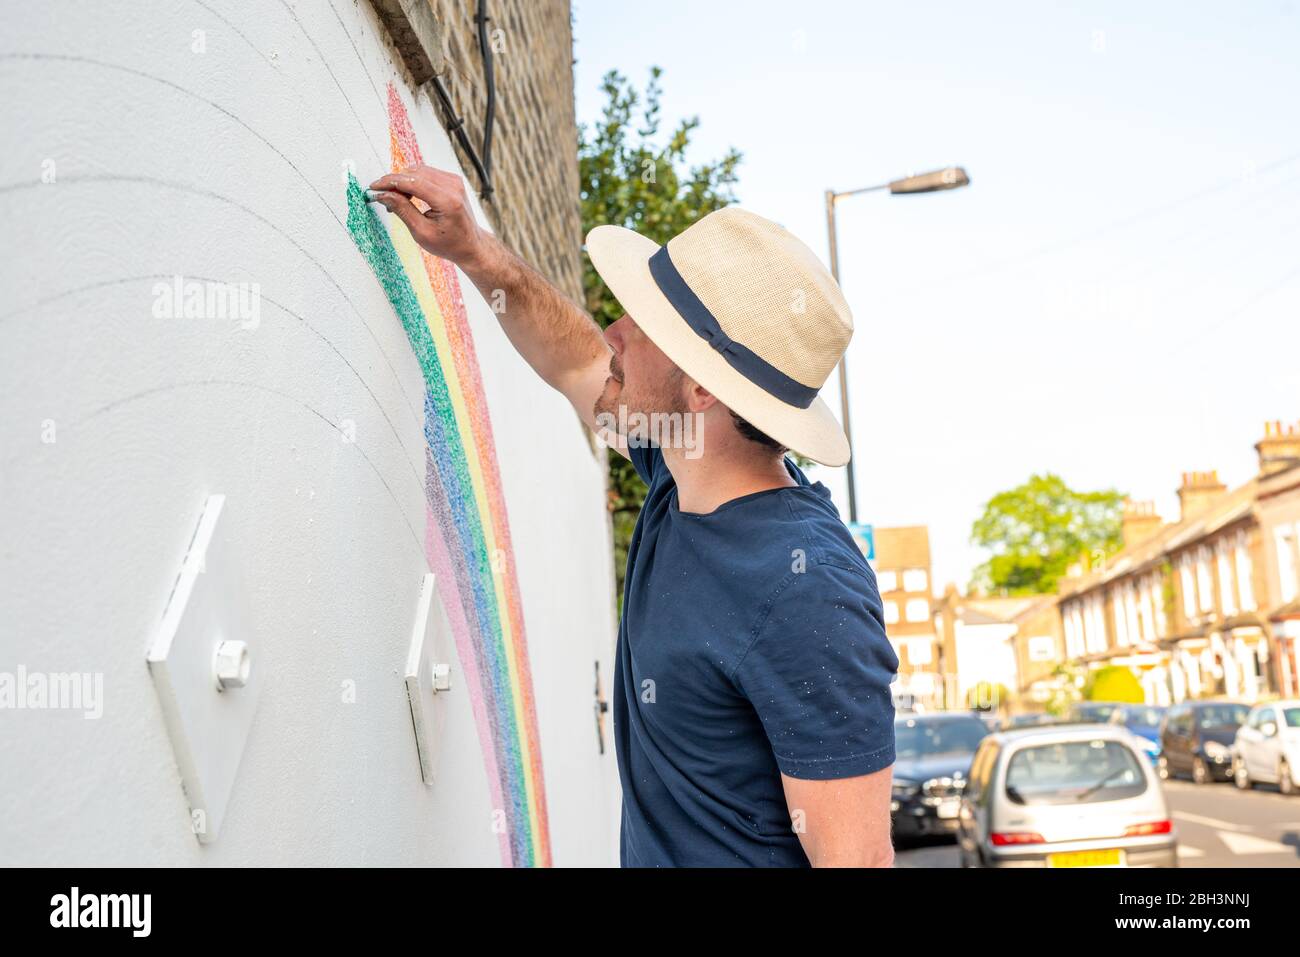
<point>1196,738</point>
<point>933,755</point>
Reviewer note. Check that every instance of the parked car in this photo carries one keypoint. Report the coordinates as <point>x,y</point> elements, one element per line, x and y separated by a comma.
<point>1143,720</point>
<point>932,755</point>
<point>1267,747</point>
<point>908,703</point>
<point>1064,796</point>
<point>1196,738</point>
<point>1090,712</point>
<point>1030,719</point>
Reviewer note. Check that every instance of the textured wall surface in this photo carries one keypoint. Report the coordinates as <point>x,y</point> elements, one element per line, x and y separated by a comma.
<point>360,442</point>
<point>534,145</point>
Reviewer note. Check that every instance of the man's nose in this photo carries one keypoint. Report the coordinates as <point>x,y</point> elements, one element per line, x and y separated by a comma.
<point>614,334</point>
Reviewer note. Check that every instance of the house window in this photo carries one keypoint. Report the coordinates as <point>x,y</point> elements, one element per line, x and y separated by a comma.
<point>1285,538</point>
<point>1121,616</point>
<point>1245,570</point>
<point>1073,637</point>
<point>919,652</point>
<point>1095,626</point>
<point>1204,580</point>
<point>1041,648</point>
<point>891,613</point>
<point>1145,609</point>
<point>1189,587</point>
<point>1227,598</point>
<point>1128,610</point>
<point>915,579</point>
<point>1158,603</point>
<point>887,581</point>
<point>918,609</point>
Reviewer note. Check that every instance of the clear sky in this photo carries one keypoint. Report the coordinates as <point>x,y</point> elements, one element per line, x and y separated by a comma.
<point>1115,297</point>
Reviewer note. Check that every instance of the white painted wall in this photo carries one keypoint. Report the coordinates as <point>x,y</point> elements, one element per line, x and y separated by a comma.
<point>165,163</point>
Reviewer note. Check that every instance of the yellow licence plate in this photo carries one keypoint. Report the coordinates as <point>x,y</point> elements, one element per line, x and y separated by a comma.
<point>1111,857</point>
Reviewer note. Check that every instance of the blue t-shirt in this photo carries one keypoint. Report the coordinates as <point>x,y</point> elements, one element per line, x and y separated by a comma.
<point>752,644</point>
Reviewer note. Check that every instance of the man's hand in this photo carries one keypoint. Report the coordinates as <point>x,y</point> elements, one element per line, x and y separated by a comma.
<point>443,223</point>
<point>553,334</point>
<point>843,822</point>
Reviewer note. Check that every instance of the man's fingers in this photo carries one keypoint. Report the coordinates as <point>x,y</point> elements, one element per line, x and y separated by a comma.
<point>401,182</point>
<point>400,205</point>
<point>423,182</point>
<point>433,205</point>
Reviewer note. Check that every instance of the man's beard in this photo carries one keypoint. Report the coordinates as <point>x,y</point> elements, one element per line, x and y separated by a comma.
<point>667,397</point>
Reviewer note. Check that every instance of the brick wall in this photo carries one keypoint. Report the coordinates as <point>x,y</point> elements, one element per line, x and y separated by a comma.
<point>534,143</point>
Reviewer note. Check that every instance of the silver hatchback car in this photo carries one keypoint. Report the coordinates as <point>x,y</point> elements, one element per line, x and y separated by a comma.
<point>1066,796</point>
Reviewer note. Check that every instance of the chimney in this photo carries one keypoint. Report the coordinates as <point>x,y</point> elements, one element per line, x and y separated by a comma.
<point>1198,490</point>
<point>1279,449</point>
<point>1138,522</point>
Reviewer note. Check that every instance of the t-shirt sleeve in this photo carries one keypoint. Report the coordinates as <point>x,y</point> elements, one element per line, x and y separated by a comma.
<point>818,675</point>
<point>646,459</point>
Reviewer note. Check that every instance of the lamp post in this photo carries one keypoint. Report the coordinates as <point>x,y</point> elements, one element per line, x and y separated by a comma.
<point>952,177</point>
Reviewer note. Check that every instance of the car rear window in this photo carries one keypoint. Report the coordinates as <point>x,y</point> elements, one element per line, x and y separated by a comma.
<point>1144,717</point>
<point>927,737</point>
<point>1094,712</point>
<point>1221,715</point>
<point>1074,772</point>
<point>1292,716</point>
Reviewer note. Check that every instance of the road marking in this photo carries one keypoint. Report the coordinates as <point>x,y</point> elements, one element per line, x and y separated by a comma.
<point>1186,850</point>
<point>1267,792</point>
<point>1211,821</point>
<point>1249,844</point>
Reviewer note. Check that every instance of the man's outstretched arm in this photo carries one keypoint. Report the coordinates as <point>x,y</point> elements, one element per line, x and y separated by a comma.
<point>553,334</point>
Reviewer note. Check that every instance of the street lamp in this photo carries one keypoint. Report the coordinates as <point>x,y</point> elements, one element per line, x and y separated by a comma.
<point>952,177</point>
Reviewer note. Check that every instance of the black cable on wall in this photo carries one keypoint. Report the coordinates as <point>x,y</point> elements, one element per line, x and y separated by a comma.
<point>482,162</point>
<point>489,76</point>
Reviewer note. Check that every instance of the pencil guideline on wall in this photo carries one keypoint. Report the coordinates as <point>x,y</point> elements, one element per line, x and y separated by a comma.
<point>467,538</point>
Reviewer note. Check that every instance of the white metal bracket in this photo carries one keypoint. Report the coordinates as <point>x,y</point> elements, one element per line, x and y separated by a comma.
<point>205,669</point>
<point>428,675</point>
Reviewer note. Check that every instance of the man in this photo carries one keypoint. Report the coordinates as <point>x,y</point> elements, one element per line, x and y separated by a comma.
<point>752,711</point>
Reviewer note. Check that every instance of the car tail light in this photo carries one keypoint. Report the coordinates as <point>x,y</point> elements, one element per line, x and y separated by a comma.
<point>1152,827</point>
<point>1004,838</point>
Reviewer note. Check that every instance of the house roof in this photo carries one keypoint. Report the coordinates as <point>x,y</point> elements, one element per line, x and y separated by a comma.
<point>1230,507</point>
<point>1282,612</point>
<point>1037,605</point>
<point>996,610</point>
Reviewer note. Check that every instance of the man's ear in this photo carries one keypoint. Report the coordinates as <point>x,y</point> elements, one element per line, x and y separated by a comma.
<point>698,398</point>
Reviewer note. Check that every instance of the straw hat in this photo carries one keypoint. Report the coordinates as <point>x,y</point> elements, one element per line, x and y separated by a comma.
<point>747,311</point>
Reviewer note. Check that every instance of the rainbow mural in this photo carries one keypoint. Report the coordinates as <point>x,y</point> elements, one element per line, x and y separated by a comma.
<point>467,532</point>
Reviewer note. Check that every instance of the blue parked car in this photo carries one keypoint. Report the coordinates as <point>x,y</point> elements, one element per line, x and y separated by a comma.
<point>1092,712</point>
<point>1144,720</point>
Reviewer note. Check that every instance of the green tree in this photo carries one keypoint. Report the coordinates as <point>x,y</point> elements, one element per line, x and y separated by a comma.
<point>631,176</point>
<point>1037,529</point>
<point>1071,678</point>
